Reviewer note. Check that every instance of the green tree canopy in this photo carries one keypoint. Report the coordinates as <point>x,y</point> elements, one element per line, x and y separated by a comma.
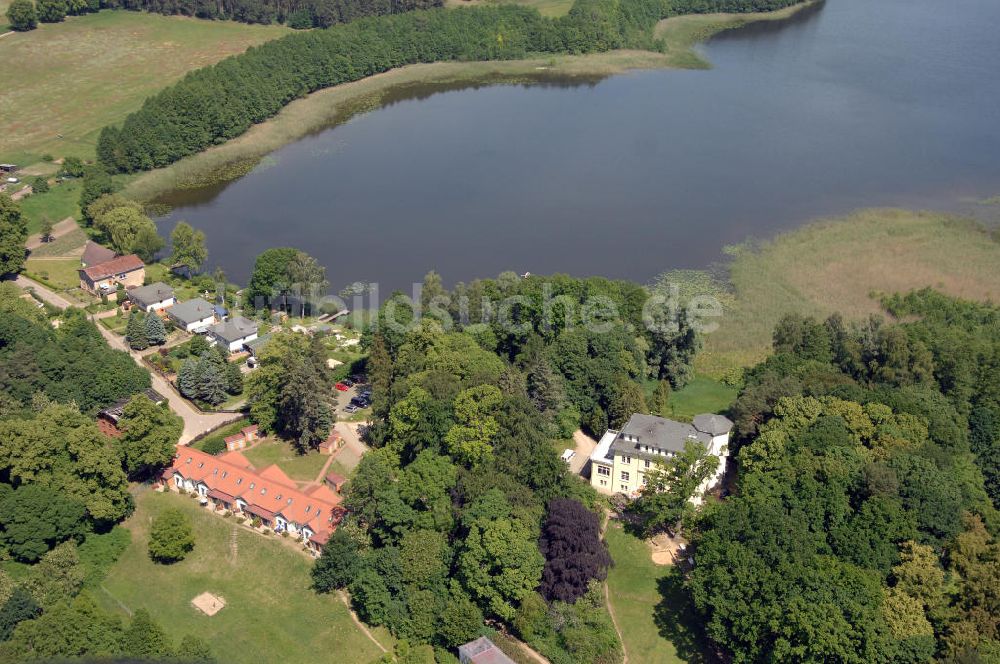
<point>149,437</point>
<point>13,234</point>
<point>188,246</point>
<point>171,537</point>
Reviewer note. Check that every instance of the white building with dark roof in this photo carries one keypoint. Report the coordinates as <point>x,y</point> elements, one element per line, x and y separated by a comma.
<point>154,297</point>
<point>622,458</point>
<point>234,333</point>
<point>195,315</point>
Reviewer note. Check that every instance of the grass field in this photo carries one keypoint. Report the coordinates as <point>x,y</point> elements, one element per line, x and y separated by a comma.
<point>61,201</point>
<point>57,273</point>
<point>701,395</point>
<point>654,617</point>
<point>838,265</point>
<point>271,615</point>
<point>300,467</point>
<point>74,77</point>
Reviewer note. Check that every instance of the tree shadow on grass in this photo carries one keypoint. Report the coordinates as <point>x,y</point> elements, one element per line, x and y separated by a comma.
<point>679,621</point>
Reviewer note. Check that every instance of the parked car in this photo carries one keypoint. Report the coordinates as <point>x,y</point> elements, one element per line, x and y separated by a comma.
<point>568,455</point>
<point>350,408</point>
<point>348,382</point>
<point>341,387</point>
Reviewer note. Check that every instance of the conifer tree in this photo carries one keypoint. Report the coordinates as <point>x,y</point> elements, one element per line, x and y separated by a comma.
<point>156,334</point>
<point>135,332</point>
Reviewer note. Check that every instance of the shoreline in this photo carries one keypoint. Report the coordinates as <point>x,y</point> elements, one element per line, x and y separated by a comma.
<point>333,106</point>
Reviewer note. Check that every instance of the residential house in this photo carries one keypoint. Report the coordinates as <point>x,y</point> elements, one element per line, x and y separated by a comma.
<point>95,254</point>
<point>107,419</point>
<point>103,278</point>
<point>233,333</point>
<point>195,315</point>
<point>154,297</point>
<point>482,651</point>
<point>229,483</point>
<point>621,459</point>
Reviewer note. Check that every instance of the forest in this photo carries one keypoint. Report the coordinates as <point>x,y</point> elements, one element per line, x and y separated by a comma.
<point>217,103</point>
<point>862,527</point>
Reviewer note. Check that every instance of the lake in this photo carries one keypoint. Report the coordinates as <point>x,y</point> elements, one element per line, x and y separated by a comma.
<point>850,104</point>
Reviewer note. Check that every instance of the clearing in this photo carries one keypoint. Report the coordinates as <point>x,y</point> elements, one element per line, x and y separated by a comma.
<point>553,8</point>
<point>651,610</point>
<point>64,81</point>
<point>838,265</point>
<point>270,610</point>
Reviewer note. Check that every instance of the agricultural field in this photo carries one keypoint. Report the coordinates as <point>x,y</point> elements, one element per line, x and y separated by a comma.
<point>63,82</point>
<point>270,610</point>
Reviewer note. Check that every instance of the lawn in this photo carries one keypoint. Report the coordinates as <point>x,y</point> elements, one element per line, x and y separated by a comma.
<point>60,202</point>
<point>57,273</point>
<point>63,82</point>
<point>300,467</point>
<point>837,265</point>
<point>653,614</point>
<point>701,395</point>
<point>271,615</point>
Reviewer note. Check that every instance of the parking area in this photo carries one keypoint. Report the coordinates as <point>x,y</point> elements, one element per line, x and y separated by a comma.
<point>353,397</point>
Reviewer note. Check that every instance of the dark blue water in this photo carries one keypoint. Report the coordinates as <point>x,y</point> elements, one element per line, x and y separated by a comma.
<point>852,104</point>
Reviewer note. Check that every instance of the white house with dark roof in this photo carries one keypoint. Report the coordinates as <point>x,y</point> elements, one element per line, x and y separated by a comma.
<point>622,458</point>
<point>154,297</point>
<point>195,315</point>
<point>233,333</point>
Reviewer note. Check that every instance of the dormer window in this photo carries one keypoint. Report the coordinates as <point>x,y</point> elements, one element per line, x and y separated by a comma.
<point>278,497</point>
<point>289,501</point>
<point>251,485</point>
<point>263,491</point>
<point>188,460</point>
<point>201,465</point>
<point>225,474</point>
<point>215,472</point>
<point>239,481</point>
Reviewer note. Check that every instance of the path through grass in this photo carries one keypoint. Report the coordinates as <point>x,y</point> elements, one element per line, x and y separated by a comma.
<point>654,615</point>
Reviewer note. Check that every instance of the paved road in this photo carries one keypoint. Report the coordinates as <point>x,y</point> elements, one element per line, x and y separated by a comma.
<point>584,448</point>
<point>195,422</point>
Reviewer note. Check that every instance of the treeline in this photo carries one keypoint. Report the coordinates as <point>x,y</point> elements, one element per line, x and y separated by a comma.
<point>299,14</point>
<point>217,103</point>
<point>862,529</point>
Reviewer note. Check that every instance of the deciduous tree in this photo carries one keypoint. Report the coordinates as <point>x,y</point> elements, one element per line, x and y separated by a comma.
<point>188,246</point>
<point>573,550</point>
<point>13,234</point>
<point>171,537</point>
<point>149,437</point>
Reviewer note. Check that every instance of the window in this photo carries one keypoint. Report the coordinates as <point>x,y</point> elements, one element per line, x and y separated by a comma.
<point>626,459</point>
<point>623,488</point>
<point>215,472</point>
<point>201,465</point>
<point>625,476</point>
<point>239,481</point>
<point>644,480</point>
<point>604,470</point>
<point>251,485</point>
<point>289,501</point>
<point>647,463</point>
<point>263,491</point>
<point>225,473</point>
<point>278,497</point>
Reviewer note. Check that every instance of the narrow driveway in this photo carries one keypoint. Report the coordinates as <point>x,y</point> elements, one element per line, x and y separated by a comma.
<point>195,421</point>
<point>350,455</point>
<point>584,447</point>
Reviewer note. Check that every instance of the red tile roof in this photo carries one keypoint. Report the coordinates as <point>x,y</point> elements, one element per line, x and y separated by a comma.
<point>118,265</point>
<point>237,459</point>
<point>270,491</point>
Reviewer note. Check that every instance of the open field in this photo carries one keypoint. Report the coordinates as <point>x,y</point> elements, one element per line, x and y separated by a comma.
<point>70,244</point>
<point>701,395</point>
<point>332,105</point>
<point>300,467</point>
<point>837,265</point>
<point>271,615</point>
<point>61,201</point>
<point>650,609</point>
<point>74,77</point>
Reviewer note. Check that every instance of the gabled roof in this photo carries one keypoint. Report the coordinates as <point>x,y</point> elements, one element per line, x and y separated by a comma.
<point>192,311</point>
<point>273,472</point>
<point>236,458</point>
<point>119,265</point>
<point>95,254</point>
<point>260,489</point>
<point>483,651</point>
<point>234,329</point>
<point>154,293</point>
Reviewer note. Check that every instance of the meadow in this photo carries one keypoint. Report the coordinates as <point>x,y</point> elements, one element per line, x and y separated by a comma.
<point>652,613</point>
<point>63,82</point>
<point>271,614</point>
<point>842,265</point>
<point>300,467</point>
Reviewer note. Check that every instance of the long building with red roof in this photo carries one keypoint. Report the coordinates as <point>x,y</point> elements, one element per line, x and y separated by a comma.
<point>229,482</point>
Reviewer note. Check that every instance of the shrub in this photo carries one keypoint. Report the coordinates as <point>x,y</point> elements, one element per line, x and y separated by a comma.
<point>22,16</point>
